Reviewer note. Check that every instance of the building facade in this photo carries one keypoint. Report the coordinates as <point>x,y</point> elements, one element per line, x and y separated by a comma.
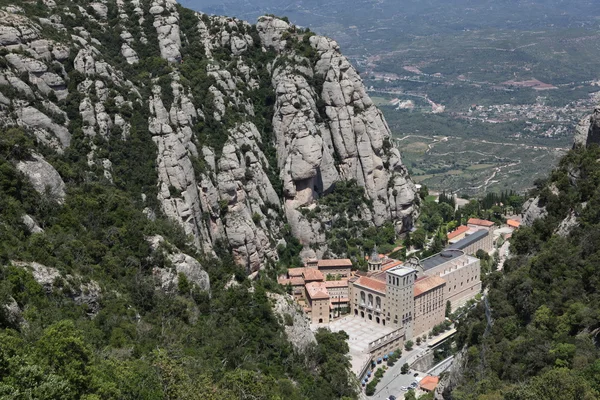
<point>478,240</point>
<point>430,304</point>
<point>460,271</point>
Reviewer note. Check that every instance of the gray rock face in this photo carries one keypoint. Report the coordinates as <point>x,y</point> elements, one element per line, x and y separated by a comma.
<point>182,263</point>
<point>532,211</point>
<point>130,55</point>
<point>228,191</point>
<point>44,178</point>
<point>588,129</point>
<point>352,130</point>
<point>11,312</point>
<point>46,130</point>
<point>567,224</point>
<point>81,292</point>
<point>31,225</point>
<point>271,31</point>
<point>298,333</point>
<point>167,28</point>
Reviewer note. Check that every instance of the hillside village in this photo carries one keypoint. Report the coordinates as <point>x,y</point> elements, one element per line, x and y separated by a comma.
<point>394,303</point>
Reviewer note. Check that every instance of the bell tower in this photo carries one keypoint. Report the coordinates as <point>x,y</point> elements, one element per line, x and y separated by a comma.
<point>374,261</point>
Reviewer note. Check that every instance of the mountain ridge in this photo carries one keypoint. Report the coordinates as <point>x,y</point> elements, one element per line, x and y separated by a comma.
<point>251,124</point>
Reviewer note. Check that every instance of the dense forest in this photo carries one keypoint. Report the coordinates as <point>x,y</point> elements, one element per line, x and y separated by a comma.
<point>540,339</point>
<point>139,342</point>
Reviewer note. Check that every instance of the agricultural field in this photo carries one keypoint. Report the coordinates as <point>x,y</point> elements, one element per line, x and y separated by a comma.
<point>480,96</point>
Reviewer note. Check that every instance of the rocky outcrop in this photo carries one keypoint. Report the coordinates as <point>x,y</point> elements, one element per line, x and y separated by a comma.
<point>44,178</point>
<point>295,323</point>
<point>168,279</point>
<point>223,173</point>
<point>532,210</point>
<point>567,224</point>
<point>588,130</point>
<point>31,225</point>
<point>83,292</point>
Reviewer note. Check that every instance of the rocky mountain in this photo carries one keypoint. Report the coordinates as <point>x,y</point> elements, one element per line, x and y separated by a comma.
<point>235,131</point>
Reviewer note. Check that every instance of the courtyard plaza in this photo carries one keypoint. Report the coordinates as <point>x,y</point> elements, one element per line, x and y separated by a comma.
<point>361,332</point>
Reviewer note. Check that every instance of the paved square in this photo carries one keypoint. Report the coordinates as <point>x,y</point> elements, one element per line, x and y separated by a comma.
<point>361,333</point>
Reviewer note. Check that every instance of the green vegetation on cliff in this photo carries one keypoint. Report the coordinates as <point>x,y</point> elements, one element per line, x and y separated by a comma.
<point>138,341</point>
<point>542,339</point>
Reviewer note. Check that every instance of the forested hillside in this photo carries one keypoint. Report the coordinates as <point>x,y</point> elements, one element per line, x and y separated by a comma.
<point>542,338</point>
<point>151,159</point>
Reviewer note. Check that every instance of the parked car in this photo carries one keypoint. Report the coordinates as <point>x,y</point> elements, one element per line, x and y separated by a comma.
<point>402,387</point>
<point>416,374</point>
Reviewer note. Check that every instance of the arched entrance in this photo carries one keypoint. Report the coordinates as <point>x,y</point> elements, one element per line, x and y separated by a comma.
<point>362,314</point>
<point>355,311</point>
<point>370,317</point>
<point>377,319</point>
<point>383,322</point>
<point>320,320</point>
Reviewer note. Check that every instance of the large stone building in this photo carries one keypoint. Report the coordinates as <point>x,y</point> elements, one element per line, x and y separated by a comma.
<point>477,234</point>
<point>413,296</point>
<point>460,272</point>
<point>478,240</point>
<point>410,298</point>
<point>334,268</point>
<point>318,290</point>
<point>430,303</point>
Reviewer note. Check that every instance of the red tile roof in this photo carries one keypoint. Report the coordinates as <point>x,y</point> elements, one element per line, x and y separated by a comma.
<point>424,285</point>
<point>311,274</point>
<point>371,283</point>
<point>295,272</point>
<point>429,383</point>
<point>336,284</point>
<point>295,281</point>
<point>513,223</point>
<point>317,291</point>
<point>480,222</point>
<point>458,231</point>
<point>342,262</point>
<point>391,265</point>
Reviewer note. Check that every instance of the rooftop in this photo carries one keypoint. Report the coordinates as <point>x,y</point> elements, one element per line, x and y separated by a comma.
<point>400,271</point>
<point>295,272</point>
<point>336,284</point>
<point>317,291</point>
<point>457,232</point>
<point>424,285</point>
<point>429,383</point>
<point>295,281</point>
<point>341,262</point>
<point>469,240</point>
<point>480,222</point>
<point>513,223</point>
<point>441,258</point>
<point>311,274</point>
<point>370,283</point>
<point>390,265</point>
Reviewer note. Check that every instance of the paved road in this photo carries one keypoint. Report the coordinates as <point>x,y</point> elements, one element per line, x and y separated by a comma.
<point>503,253</point>
<point>393,380</point>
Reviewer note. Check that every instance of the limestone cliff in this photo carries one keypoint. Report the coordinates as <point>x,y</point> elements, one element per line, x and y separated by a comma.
<point>245,126</point>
